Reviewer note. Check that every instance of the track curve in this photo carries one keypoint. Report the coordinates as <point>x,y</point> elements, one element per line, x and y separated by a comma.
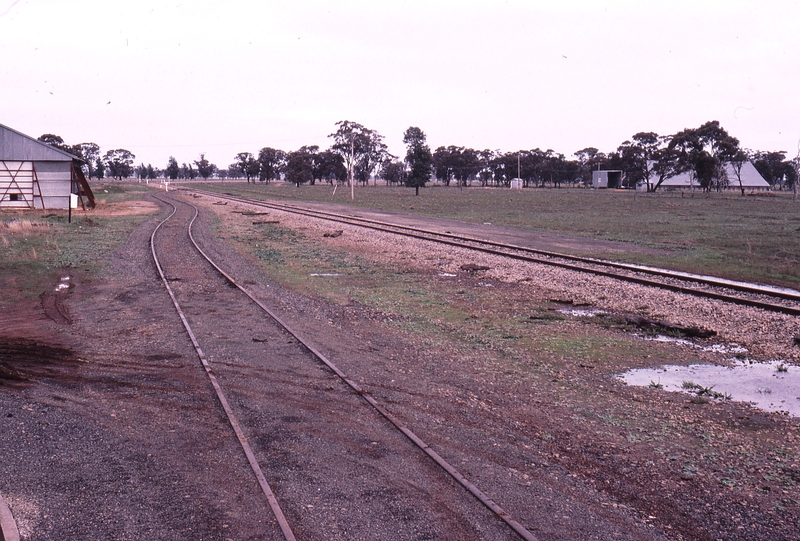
<point>230,281</point>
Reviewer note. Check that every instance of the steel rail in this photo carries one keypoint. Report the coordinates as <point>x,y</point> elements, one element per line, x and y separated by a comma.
<point>518,528</point>
<point>248,451</point>
<point>462,242</point>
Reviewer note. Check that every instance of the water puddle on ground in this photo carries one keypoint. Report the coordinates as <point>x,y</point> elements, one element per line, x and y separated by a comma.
<point>771,386</point>
<point>581,312</point>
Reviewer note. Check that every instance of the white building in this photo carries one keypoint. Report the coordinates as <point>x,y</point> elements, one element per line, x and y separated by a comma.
<point>751,180</point>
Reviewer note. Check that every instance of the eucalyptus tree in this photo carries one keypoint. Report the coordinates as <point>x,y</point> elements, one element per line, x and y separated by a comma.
<point>419,159</point>
<point>299,167</point>
<point>119,163</point>
<point>173,169</point>
<point>247,165</point>
<point>703,152</point>
<point>205,168</point>
<point>361,149</point>
<point>271,162</point>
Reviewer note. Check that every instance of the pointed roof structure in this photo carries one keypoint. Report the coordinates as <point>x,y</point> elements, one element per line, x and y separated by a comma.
<point>16,146</point>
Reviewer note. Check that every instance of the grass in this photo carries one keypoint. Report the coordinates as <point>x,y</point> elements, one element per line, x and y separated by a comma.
<point>37,243</point>
<point>754,238</point>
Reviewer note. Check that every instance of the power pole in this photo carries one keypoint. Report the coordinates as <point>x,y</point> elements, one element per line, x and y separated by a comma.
<point>352,157</point>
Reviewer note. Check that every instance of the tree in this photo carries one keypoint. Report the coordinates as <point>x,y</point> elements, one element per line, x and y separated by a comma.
<point>329,166</point>
<point>299,167</point>
<point>119,163</point>
<point>703,151</point>
<point>361,149</point>
<point>205,168</point>
<point>173,169</point>
<point>99,169</point>
<point>772,166</point>
<point>637,157</point>
<point>392,171</point>
<point>737,161</point>
<point>270,162</point>
<point>55,141</point>
<point>247,165</point>
<point>89,153</point>
<point>588,161</point>
<point>418,159</point>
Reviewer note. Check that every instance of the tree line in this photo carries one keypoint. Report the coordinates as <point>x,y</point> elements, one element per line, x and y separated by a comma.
<point>646,160</point>
<point>358,154</point>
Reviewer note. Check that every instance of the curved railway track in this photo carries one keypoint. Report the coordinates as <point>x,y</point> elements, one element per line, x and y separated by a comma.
<point>194,285</point>
<point>779,300</point>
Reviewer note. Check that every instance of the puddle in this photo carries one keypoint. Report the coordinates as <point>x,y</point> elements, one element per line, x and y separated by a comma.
<point>581,312</point>
<point>759,383</point>
<point>714,348</point>
<point>324,274</point>
<point>447,274</point>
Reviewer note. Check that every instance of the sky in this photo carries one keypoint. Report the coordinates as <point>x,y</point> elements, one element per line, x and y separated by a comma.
<point>180,78</point>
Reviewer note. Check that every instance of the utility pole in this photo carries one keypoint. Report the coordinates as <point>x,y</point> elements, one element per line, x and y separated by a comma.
<point>352,157</point>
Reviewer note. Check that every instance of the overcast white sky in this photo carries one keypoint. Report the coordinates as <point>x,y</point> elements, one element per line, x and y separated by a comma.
<point>169,77</point>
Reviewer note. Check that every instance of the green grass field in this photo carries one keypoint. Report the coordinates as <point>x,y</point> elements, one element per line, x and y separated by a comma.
<point>753,238</point>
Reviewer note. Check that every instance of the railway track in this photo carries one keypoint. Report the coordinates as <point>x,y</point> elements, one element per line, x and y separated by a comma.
<point>268,379</point>
<point>781,300</point>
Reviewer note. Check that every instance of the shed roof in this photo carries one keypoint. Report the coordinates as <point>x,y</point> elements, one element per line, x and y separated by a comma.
<point>751,178</point>
<point>16,146</point>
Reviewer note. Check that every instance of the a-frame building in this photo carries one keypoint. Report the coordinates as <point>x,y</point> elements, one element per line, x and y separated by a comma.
<point>35,175</point>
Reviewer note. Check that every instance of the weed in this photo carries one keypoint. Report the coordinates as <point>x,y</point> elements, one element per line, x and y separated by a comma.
<point>654,385</point>
<point>764,391</point>
<point>704,392</point>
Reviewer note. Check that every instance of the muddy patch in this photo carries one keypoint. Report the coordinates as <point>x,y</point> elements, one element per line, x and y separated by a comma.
<point>23,360</point>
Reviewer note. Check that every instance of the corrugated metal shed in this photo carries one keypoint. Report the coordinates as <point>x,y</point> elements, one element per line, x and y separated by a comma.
<point>34,174</point>
<point>16,146</point>
<point>751,179</point>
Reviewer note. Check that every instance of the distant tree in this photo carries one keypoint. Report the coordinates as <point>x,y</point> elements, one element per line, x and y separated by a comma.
<point>772,166</point>
<point>392,171</point>
<point>55,141</point>
<point>419,159</point>
<point>247,165</point>
<point>173,169</point>
<point>703,152</point>
<point>361,149</point>
<point>637,157</point>
<point>188,172</point>
<point>205,168</point>
<point>329,166</point>
<point>99,169</point>
<point>270,162</point>
<point>89,153</point>
<point>233,171</point>
<point>119,163</point>
<point>589,159</point>
<point>666,164</point>
<point>299,167</point>
<point>486,173</point>
<point>152,172</point>
<point>737,161</point>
